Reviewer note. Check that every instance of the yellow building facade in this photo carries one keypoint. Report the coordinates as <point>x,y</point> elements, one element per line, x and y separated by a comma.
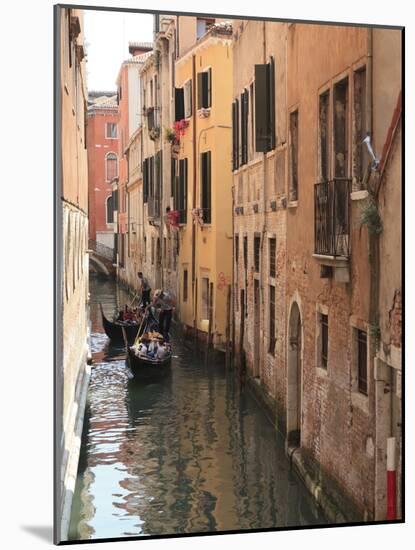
<point>203,182</point>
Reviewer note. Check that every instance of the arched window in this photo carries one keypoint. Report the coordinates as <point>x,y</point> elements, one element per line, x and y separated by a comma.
<point>110,210</point>
<point>111,166</point>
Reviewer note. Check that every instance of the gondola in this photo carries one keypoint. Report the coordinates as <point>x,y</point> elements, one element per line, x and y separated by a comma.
<point>113,329</point>
<point>147,368</point>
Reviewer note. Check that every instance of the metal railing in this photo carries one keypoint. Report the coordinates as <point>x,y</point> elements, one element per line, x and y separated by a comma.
<point>332,217</point>
<point>101,250</point>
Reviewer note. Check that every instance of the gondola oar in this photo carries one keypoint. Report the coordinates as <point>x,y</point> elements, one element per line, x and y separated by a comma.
<point>141,326</point>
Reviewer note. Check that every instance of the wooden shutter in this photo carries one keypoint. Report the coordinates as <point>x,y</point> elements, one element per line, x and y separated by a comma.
<point>178,104</point>
<point>172,177</point>
<point>234,136</point>
<point>145,180</point>
<point>261,110</point>
<point>209,88</point>
<point>271,102</point>
<point>237,132</point>
<point>199,90</point>
<point>206,186</point>
<point>244,126</point>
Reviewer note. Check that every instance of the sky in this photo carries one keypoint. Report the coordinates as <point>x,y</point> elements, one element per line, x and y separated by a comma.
<point>106,36</point>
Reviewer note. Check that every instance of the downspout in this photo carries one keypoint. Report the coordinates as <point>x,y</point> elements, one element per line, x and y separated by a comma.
<point>374,261</point>
<point>264,208</point>
<point>194,193</point>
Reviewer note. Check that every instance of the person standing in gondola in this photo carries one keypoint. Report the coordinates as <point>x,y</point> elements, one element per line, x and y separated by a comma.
<point>145,289</point>
<point>164,301</point>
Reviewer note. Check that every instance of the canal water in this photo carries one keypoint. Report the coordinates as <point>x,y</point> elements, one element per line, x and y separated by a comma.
<point>188,454</point>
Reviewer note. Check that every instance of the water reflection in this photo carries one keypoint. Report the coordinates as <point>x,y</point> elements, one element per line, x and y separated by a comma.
<point>190,453</point>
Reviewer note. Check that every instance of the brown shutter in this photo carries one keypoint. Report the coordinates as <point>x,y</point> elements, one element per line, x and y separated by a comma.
<point>178,104</point>
<point>261,110</point>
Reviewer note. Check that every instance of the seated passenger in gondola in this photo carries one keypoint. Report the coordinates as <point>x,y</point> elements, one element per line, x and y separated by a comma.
<point>162,351</point>
<point>152,348</point>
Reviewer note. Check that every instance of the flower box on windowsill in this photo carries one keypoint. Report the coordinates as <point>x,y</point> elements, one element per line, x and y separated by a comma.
<point>203,112</point>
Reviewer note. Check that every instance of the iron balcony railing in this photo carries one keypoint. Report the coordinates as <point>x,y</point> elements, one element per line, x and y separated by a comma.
<point>332,217</point>
<point>153,205</point>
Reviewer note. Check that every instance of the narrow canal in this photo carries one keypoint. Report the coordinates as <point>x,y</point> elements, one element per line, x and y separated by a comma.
<point>189,454</point>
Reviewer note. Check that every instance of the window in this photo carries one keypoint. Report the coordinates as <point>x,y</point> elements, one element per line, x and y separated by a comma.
<point>362,360</point>
<point>244,126</point>
<point>145,250</point>
<point>203,25</point>
<point>115,200</point>
<point>340,117</point>
<point>205,298</point>
<point>265,107</point>
<point>206,201</point>
<point>152,250</point>
<point>245,253</point>
<point>271,348</point>
<point>111,166</point>
<point>185,282</point>
<point>111,130</point>
<point>360,153</point>
<point>294,156</point>
<point>252,120</point>
<point>180,191</point>
<point>324,323</point>
<point>188,99</point>
<point>204,89</point>
<point>257,246</point>
<point>236,248</point>
<point>324,157</point>
<point>178,104</point>
<point>235,135</point>
<point>272,249</point>
<point>110,210</point>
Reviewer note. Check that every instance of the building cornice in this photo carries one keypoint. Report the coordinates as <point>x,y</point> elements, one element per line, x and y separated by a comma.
<point>204,43</point>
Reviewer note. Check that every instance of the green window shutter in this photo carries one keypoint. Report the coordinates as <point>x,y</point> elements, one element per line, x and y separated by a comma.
<point>199,90</point>
<point>261,109</point>
<point>209,88</point>
<point>237,132</point>
<point>178,104</point>
<point>271,102</point>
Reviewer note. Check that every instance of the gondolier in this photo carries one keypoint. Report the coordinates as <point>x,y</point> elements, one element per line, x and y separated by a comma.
<point>145,289</point>
<point>164,301</point>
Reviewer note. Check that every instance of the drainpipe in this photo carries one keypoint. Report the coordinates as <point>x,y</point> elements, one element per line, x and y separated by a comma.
<point>194,193</point>
<point>264,208</point>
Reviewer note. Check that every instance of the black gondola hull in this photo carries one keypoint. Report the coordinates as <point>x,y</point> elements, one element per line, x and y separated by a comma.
<point>114,331</point>
<point>148,369</point>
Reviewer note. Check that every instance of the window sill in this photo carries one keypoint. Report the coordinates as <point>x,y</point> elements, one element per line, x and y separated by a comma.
<point>335,261</point>
<point>359,195</point>
<point>360,401</point>
<point>292,204</point>
<point>322,372</point>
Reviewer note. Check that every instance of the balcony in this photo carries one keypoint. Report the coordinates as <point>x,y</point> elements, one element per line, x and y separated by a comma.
<point>153,208</point>
<point>332,219</point>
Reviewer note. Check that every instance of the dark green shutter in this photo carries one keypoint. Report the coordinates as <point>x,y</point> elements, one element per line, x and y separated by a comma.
<point>178,104</point>
<point>237,133</point>
<point>145,180</point>
<point>209,88</point>
<point>261,109</point>
<point>206,198</point>
<point>199,90</point>
<point>271,102</point>
<point>234,136</point>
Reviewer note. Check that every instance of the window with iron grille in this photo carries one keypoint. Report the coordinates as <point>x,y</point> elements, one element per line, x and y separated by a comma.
<point>324,321</point>
<point>294,156</point>
<point>206,199</point>
<point>272,249</point>
<point>257,248</point>
<point>272,339</point>
<point>111,166</point>
<point>362,360</point>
